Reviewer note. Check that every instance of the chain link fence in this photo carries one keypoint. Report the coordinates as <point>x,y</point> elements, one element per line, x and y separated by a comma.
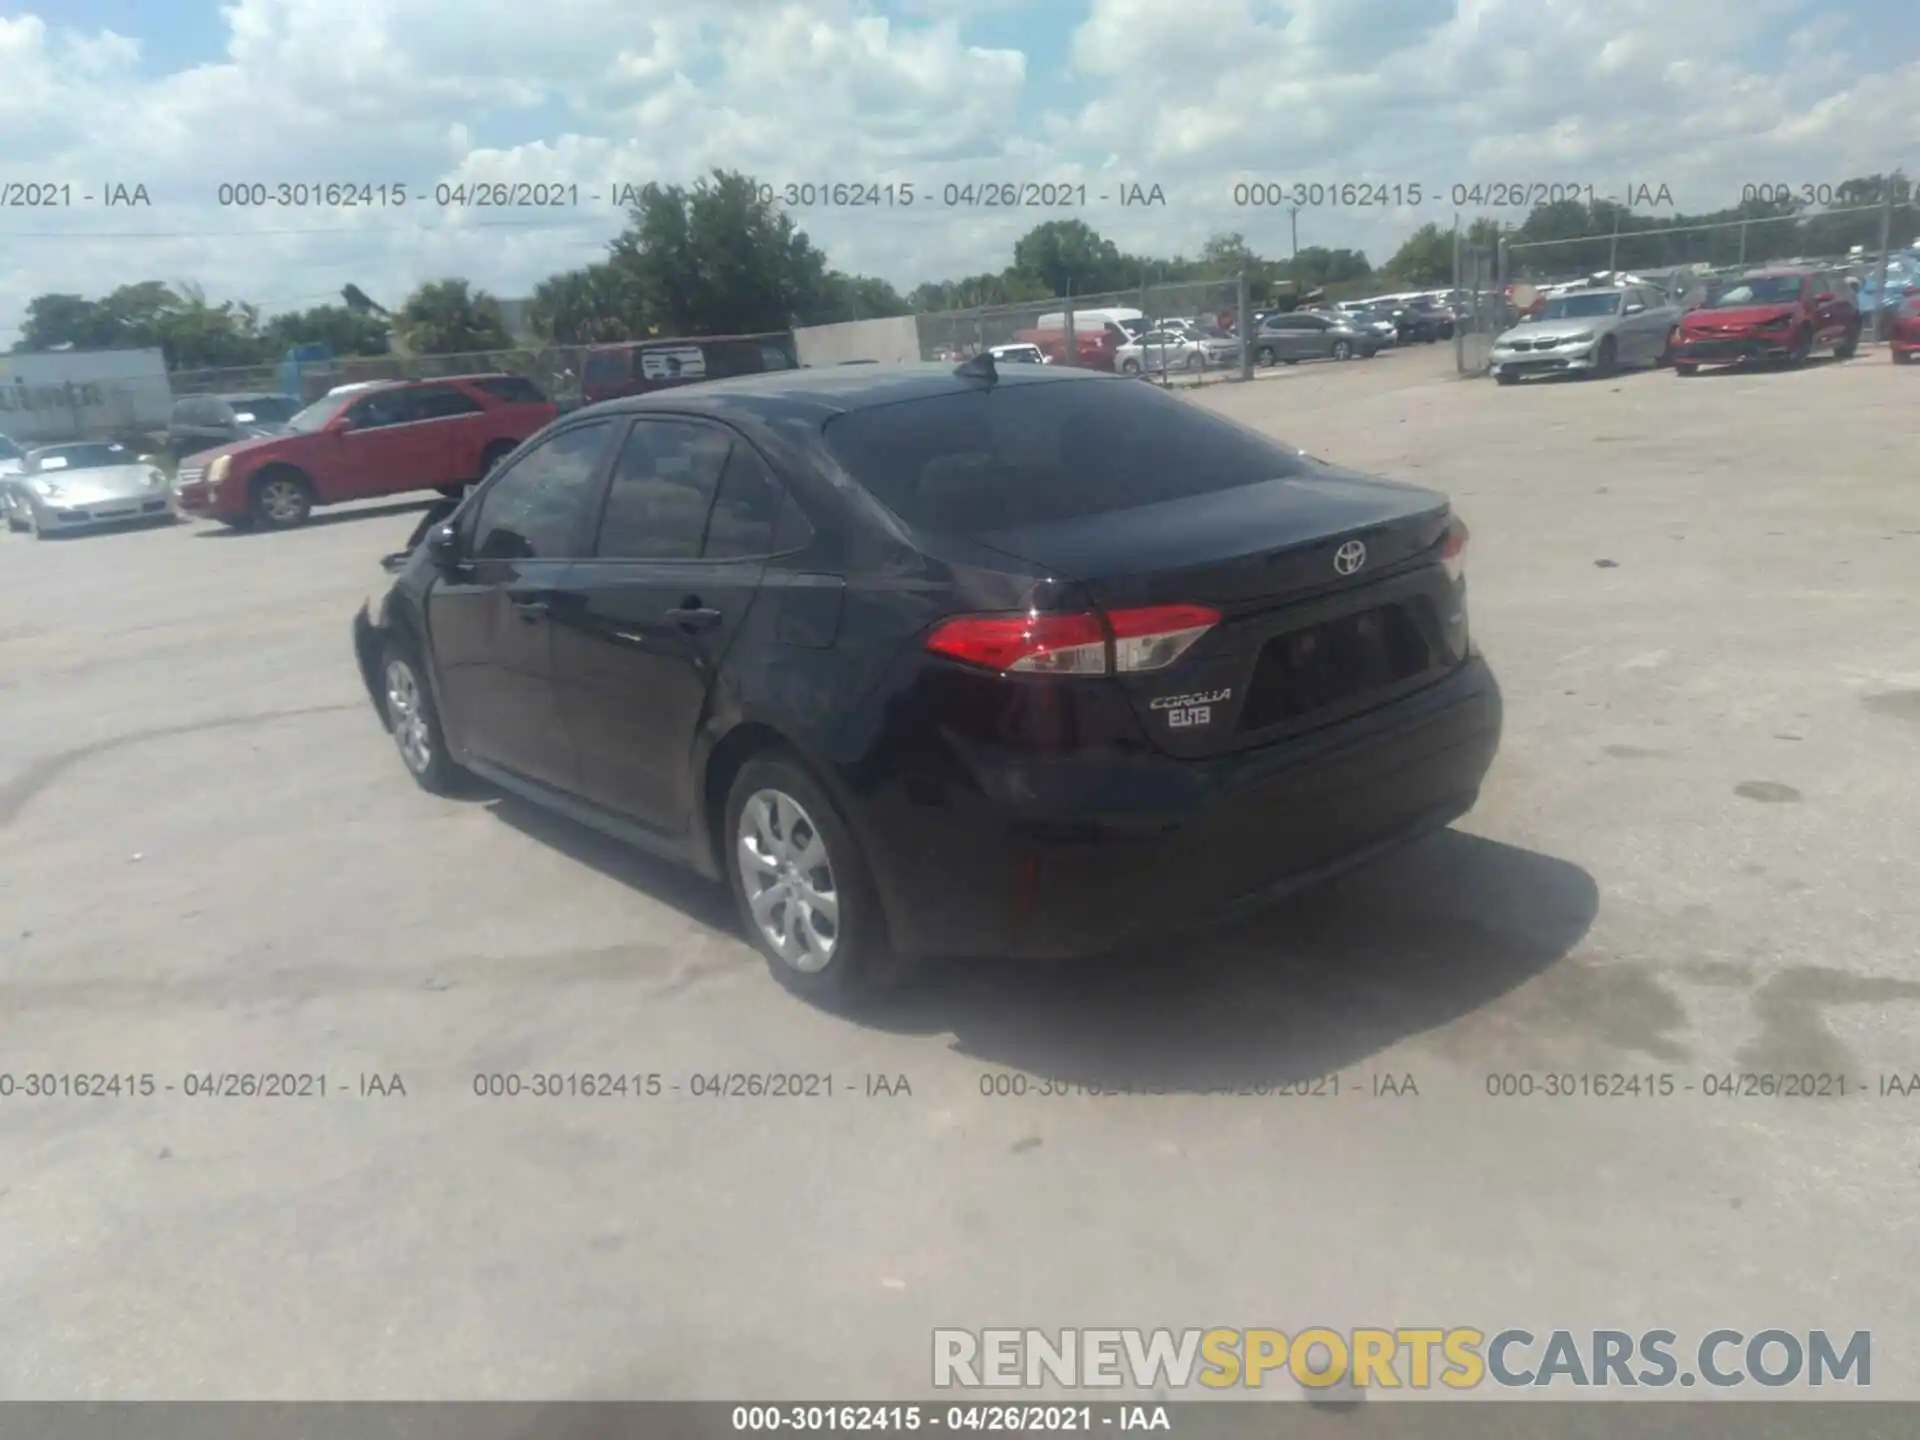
<point>961,334</point>
<point>1479,302</point>
<point>556,369</point>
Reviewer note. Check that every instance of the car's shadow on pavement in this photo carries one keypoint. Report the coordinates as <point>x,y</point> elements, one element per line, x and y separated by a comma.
<point>319,520</point>
<point>1298,991</point>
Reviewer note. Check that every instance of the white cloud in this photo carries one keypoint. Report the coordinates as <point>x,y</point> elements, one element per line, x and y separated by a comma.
<point>1190,94</point>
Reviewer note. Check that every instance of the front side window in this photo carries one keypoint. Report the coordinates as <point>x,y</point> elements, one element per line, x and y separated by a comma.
<point>536,508</point>
<point>384,408</point>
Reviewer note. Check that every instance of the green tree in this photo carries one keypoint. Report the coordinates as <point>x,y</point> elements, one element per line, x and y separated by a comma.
<point>1071,257</point>
<point>588,306</point>
<point>855,297</point>
<point>1424,258</point>
<point>54,320</point>
<point>718,258</point>
<point>1316,266</point>
<point>450,317</point>
<point>341,329</point>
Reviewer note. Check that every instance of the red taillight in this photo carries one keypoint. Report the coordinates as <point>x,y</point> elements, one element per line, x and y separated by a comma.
<point>1453,550</point>
<point>1149,638</point>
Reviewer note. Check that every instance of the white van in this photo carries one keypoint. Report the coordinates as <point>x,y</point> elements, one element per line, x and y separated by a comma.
<point>1089,320</point>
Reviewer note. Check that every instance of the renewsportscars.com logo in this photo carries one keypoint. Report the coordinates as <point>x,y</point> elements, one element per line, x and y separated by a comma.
<point>1459,1358</point>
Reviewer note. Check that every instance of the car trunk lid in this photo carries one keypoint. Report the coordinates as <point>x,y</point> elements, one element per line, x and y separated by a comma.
<point>1329,585</point>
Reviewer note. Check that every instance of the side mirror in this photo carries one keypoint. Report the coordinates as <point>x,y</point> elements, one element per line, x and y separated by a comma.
<point>443,541</point>
<point>1825,297</point>
<point>1634,309</point>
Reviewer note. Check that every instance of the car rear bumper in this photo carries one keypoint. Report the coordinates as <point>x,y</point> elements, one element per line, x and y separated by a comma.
<point>1043,858</point>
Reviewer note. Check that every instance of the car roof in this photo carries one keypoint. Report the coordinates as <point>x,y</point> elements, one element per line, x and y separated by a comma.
<point>1766,271</point>
<point>229,396</point>
<point>823,393</point>
<point>1582,290</point>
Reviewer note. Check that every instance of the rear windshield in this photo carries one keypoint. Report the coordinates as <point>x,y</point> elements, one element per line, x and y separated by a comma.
<point>1030,454</point>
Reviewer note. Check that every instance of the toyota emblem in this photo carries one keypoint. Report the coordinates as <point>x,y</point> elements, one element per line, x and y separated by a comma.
<point>1349,557</point>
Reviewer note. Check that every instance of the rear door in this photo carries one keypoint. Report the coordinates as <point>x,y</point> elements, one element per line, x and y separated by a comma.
<point>454,429</point>
<point>685,528</point>
<point>490,622</point>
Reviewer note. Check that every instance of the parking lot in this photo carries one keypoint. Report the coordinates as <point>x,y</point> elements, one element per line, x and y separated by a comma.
<point>1695,858</point>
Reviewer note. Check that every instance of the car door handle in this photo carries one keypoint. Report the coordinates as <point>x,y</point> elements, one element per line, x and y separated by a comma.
<point>695,617</point>
<point>531,612</point>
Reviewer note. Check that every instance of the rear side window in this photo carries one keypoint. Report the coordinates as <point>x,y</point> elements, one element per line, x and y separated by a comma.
<point>511,389</point>
<point>442,402</point>
<point>1031,454</point>
<point>662,488</point>
<point>746,514</point>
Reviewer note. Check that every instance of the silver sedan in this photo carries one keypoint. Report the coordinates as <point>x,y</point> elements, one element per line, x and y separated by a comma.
<point>82,486</point>
<point>1591,332</point>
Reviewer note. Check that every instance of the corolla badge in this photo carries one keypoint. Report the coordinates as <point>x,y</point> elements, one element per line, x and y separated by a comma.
<point>1186,711</point>
<point>1349,557</point>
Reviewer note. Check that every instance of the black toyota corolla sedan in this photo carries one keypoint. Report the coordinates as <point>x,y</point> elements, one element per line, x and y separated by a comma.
<point>925,660</point>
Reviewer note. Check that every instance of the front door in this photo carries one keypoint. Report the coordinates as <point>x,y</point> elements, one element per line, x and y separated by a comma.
<point>688,522</point>
<point>491,618</point>
<point>380,448</point>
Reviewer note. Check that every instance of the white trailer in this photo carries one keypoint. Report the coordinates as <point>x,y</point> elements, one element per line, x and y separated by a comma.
<point>57,395</point>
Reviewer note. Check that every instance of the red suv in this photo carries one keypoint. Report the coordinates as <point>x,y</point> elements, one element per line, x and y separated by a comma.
<point>1770,315</point>
<point>1904,343</point>
<point>380,439</point>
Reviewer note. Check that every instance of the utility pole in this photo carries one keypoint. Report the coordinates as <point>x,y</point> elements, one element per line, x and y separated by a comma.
<point>1293,219</point>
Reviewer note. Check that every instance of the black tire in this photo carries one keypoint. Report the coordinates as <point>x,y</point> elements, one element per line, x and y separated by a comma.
<point>1665,357</point>
<point>280,498</point>
<point>1264,355</point>
<point>1196,362</point>
<point>15,525</point>
<point>861,963</point>
<point>1848,347</point>
<point>1342,350</point>
<point>1684,370</point>
<point>1129,367</point>
<point>1502,378</point>
<point>1901,357</point>
<point>1802,348</point>
<point>437,774</point>
<point>1606,364</point>
<point>452,492</point>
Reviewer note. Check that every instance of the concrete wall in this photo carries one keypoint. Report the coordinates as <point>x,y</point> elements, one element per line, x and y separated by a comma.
<point>888,341</point>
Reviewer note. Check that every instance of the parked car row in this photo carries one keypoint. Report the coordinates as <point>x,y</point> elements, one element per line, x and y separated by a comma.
<point>1778,315</point>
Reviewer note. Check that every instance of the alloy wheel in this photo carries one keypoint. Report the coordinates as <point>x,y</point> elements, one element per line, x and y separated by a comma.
<point>789,881</point>
<point>407,717</point>
<point>282,501</point>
